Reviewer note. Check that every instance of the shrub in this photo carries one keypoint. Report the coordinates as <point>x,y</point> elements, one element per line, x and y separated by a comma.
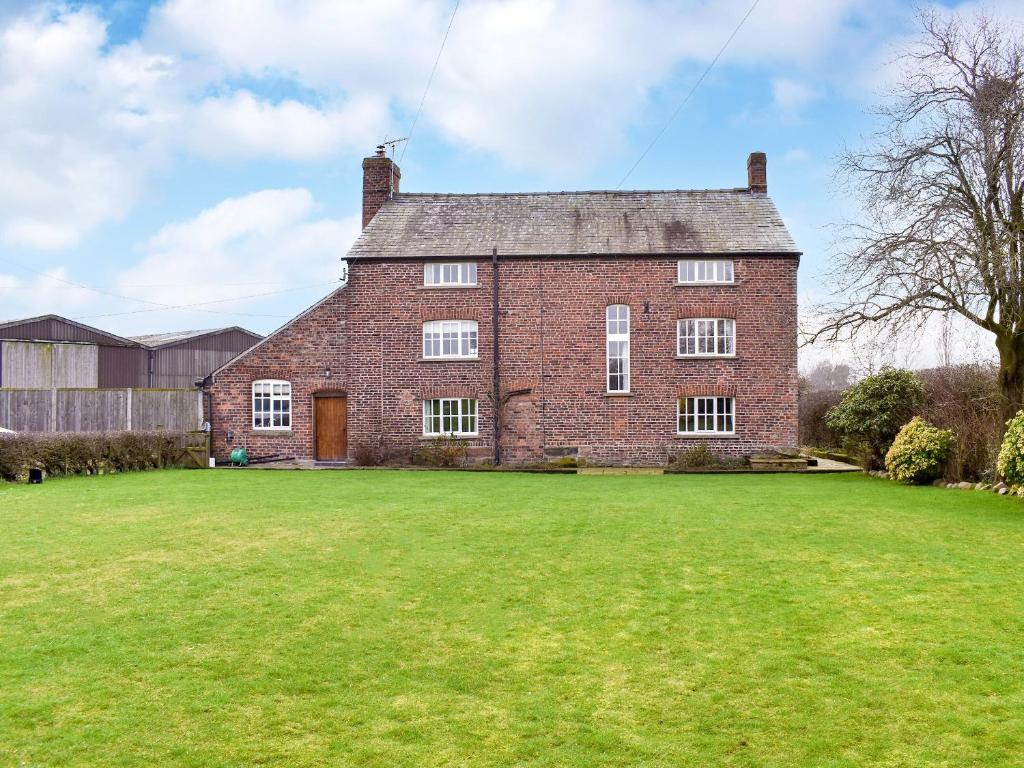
<point>366,455</point>
<point>444,451</point>
<point>919,453</point>
<point>814,407</point>
<point>965,399</point>
<point>701,457</point>
<point>76,453</point>
<point>1010,464</point>
<point>873,410</point>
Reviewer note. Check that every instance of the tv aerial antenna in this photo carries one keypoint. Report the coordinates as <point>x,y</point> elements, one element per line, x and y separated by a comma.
<point>390,144</point>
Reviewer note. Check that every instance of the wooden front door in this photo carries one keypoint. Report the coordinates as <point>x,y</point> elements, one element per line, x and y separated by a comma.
<point>331,427</point>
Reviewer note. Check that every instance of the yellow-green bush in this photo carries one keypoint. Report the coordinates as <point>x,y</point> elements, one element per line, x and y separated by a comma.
<point>1010,463</point>
<point>919,453</point>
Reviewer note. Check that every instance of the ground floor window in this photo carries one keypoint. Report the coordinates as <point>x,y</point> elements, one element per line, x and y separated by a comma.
<point>449,416</point>
<point>706,415</point>
<point>271,404</point>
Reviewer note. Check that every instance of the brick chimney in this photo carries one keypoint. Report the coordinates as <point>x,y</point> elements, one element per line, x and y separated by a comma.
<point>380,183</point>
<point>757,173</point>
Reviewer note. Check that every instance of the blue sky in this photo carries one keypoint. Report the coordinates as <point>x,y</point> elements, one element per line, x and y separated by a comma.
<point>207,152</point>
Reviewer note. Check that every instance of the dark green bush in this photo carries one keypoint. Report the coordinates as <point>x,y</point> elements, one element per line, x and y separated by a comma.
<point>873,410</point>
<point>82,453</point>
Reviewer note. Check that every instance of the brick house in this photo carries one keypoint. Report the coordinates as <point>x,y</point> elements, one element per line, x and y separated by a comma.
<point>622,327</point>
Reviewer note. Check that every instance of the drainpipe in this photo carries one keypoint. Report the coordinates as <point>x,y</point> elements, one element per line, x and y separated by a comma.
<point>496,357</point>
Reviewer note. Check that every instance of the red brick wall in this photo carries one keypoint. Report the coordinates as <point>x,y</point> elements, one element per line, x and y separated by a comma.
<point>552,343</point>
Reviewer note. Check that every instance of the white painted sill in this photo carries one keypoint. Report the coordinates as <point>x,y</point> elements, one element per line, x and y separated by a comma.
<point>271,431</point>
<point>447,287</point>
<point>448,359</point>
<point>677,284</point>
<point>707,435</point>
<point>707,357</point>
<point>620,394</point>
<point>459,437</point>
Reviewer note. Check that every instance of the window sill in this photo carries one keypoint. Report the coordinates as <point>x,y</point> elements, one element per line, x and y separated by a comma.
<point>707,435</point>
<point>270,431</point>
<point>707,357</point>
<point>446,287</point>
<point>677,284</point>
<point>448,359</point>
<point>474,436</point>
<point>620,394</point>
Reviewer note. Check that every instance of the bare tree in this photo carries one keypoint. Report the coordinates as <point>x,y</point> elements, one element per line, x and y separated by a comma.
<point>827,375</point>
<point>942,190</point>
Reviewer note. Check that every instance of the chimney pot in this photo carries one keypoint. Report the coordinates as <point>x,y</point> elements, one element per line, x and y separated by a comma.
<point>757,173</point>
<point>380,183</point>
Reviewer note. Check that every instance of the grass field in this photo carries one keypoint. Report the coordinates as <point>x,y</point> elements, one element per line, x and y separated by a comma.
<point>229,618</point>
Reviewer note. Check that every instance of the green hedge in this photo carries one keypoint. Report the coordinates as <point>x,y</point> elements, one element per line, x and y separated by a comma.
<point>86,453</point>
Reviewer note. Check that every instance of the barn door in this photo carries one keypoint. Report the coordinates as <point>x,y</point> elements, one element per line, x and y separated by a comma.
<point>331,427</point>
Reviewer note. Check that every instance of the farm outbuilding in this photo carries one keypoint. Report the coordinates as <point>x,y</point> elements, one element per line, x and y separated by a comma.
<point>53,351</point>
<point>59,375</point>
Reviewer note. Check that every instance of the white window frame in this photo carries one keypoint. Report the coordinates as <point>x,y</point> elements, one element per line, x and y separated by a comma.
<point>448,274</point>
<point>462,336</point>
<point>721,411</point>
<point>705,272</point>
<point>616,326</point>
<point>720,342</point>
<point>458,408</point>
<point>271,393</point>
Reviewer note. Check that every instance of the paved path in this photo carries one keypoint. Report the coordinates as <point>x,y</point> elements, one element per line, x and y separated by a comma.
<point>829,465</point>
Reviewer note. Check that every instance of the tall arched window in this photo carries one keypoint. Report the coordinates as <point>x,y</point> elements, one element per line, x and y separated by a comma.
<point>617,331</point>
<point>271,404</point>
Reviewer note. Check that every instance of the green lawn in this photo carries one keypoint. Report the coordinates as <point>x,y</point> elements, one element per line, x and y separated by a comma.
<point>229,618</point>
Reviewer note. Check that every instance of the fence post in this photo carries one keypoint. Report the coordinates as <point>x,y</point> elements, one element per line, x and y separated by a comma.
<point>128,409</point>
<point>53,409</point>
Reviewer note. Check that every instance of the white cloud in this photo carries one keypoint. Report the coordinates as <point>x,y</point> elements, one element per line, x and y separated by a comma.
<point>795,155</point>
<point>242,125</point>
<point>84,125</point>
<point>539,84</point>
<point>257,259</point>
<point>267,241</point>
<point>40,294</point>
<point>790,97</point>
<point>67,158</point>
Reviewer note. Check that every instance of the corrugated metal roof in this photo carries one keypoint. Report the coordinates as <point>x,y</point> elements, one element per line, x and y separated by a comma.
<point>175,337</point>
<point>60,329</point>
<point>575,223</point>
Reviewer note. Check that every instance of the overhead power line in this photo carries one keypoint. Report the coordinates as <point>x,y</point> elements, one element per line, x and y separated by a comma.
<point>430,80</point>
<point>156,305</point>
<point>692,90</point>
<point>196,305</point>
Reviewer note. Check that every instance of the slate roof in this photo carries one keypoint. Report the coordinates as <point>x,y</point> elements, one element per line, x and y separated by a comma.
<point>575,223</point>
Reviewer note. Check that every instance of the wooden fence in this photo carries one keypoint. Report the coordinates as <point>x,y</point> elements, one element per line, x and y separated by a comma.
<point>100,410</point>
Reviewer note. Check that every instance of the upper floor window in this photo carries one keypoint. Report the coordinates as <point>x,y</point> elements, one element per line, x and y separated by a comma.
<point>707,336</point>
<point>705,271</point>
<point>271,404</point>
<point>617,331</point>
<point>449,416</point>
<point>707,415</point>
<point>458,273</point>
<point>450,338</point>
